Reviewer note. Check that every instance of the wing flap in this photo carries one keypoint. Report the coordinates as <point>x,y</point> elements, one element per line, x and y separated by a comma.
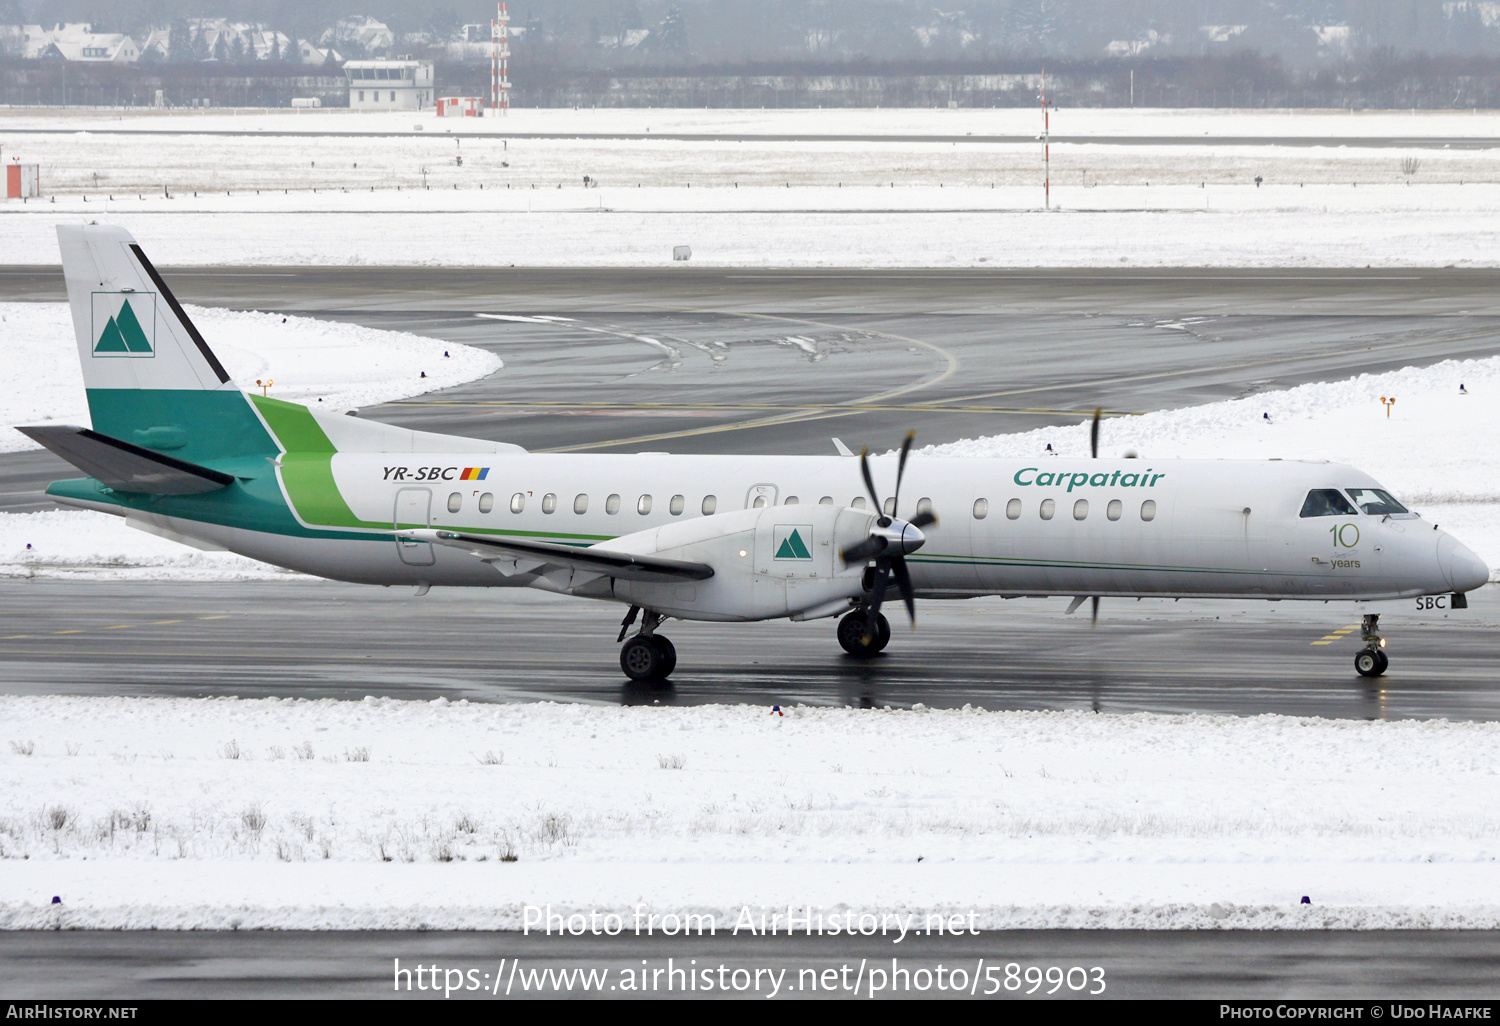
<point>124,466</point>
<point>594,560</point>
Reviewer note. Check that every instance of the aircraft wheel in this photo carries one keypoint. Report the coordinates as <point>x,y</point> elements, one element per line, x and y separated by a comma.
<point>642,659</point>
<point>1371,662</point>
<point>852,634</point>
<point>668,652</point>
<point>882,632</point>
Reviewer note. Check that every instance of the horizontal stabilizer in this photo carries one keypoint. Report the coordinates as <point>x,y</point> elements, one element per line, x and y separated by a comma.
<point>623,565</point>
<point>123,466</point>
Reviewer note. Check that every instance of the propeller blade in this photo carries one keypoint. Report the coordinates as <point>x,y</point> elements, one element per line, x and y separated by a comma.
<point>872,546</point>
<point>877,595</point>
<point>864,468</point>
<point>923,519</point>
<point>1095,621</point>
<point>1094,434</point>
<point>901,470</point>
<point>903,582</point>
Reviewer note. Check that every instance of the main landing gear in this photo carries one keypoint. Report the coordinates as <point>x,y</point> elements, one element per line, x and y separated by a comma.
<point>1371,660</point>
<point>856,637</point>
<point>648,655</point>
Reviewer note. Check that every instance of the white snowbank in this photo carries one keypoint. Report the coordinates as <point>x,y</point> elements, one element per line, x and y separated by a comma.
<point>1435,450</point>
<point>326,364</point>
<point>730,122</point>
<point>1141,228</point>
<point>192,813</point>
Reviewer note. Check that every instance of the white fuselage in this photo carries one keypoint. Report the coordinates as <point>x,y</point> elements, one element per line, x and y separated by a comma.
<point>1217,528</point>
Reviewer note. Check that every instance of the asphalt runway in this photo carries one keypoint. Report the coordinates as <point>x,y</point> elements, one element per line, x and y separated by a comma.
<point>1218,965</point>
<point>315,639</point>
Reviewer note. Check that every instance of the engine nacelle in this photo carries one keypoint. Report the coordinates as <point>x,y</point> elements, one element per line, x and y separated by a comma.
<point>768,563</point>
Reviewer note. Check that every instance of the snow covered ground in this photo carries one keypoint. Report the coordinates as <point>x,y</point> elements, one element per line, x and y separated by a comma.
<point>1180,226</point>
<point>730,122</point>
<point>743,198</point>
<point>187,813</point>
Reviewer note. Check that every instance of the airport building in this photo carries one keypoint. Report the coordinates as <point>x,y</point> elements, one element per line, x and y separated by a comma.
<point>390,85</point>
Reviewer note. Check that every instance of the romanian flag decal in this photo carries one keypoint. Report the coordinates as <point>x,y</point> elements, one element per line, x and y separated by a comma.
<point>474,473</point>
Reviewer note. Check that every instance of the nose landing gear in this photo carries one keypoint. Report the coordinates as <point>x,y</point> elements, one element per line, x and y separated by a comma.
<point>1371,661</point>
<point>648,655</point>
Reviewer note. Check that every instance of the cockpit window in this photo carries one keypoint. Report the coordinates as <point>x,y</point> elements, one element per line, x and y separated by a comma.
<point>1327,502</point>
<point>1376,502</point>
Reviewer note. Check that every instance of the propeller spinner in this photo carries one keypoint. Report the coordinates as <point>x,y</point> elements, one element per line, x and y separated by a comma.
<point>889,542</point>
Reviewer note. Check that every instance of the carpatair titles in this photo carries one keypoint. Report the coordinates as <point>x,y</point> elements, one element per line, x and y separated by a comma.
<point>1117,479</point>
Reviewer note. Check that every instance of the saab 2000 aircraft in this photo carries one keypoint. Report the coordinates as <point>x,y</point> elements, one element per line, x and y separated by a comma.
<point>178,449</point>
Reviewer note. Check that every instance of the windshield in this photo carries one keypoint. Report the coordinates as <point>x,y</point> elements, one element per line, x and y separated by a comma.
<point>1327,502</point>
<point>1376,502</point>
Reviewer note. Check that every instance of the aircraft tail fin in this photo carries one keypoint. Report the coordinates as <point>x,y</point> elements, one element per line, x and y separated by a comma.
<point>152,378</point>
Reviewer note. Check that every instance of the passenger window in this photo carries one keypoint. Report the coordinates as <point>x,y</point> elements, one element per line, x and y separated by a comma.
<point>1327,502</point>
<point>760,501</point>
<point>518,502</point>
<point>1376,502</point>
<point>643,505</point>
<point>581,503</point>
<point>924,505</point>
<point>981,508</point>
<point>549,502</point>
<point>826,500</point>
<point>612,504</point>
<point>858,502</point>
<point>455,502</point>
<point>1114,509</point>
<point>486,502</point>
<point>1013,509</point>
<point>792,500</point>
<point>1081,509</point>
<point>1049,507</point>
<point>1148,509</point>
<point>710,503</point>
<point>676,505</point>
<point>889,506</point>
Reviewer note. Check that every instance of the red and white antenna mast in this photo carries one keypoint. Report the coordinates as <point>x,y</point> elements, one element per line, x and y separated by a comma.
<point>1046,145</point>
<point>499,60</point>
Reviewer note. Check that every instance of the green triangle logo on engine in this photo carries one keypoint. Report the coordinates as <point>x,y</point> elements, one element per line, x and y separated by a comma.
<point>791,544</point>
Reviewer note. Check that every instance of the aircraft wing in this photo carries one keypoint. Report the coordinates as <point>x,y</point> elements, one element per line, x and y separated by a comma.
<point>124,466</point>
<point>531,555</point>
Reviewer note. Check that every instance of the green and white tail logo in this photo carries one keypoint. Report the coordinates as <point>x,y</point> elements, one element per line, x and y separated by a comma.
<point>124,323</point>
<point>793,541</point>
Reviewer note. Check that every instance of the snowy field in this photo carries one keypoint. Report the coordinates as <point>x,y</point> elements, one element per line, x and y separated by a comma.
<point>743,198</point>
<point>751,123</point>
<point>182,813</point>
